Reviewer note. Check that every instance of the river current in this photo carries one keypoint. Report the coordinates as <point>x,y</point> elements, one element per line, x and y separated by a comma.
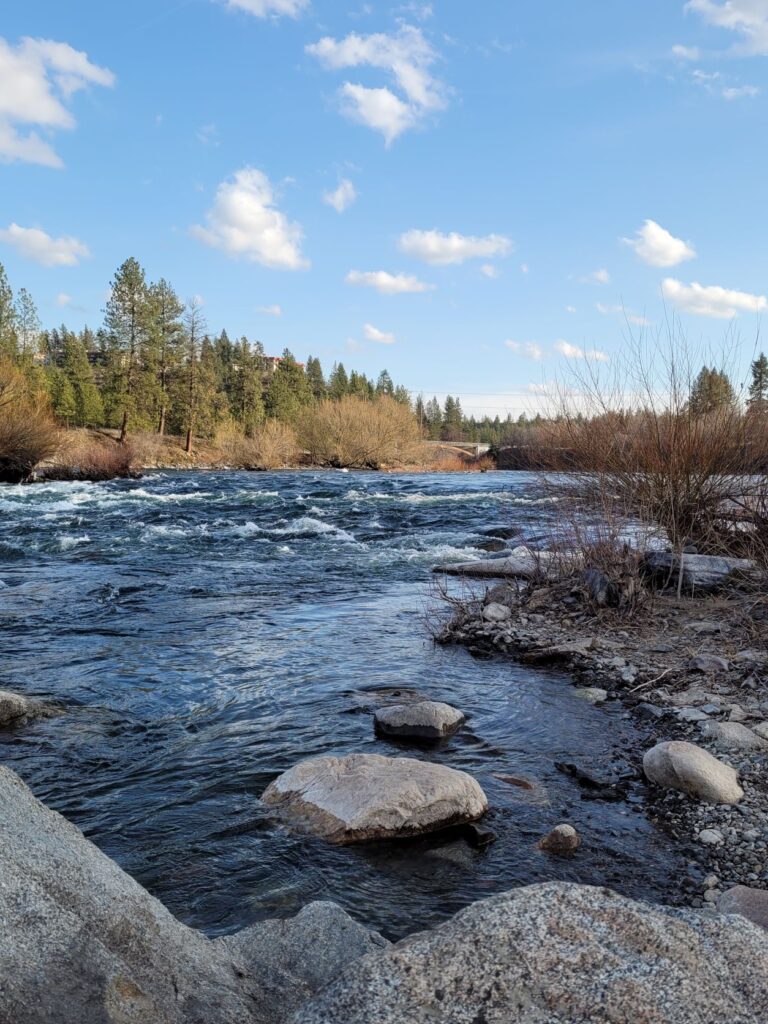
<point>205,631</point>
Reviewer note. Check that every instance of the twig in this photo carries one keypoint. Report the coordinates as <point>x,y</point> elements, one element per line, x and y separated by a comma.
<point>650,682</point>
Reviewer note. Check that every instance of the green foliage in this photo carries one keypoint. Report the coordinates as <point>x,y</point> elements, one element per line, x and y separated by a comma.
<point>758,387</point>
<point>315,378</point>
<point>8,340</point>
<point>288,391</point>
<point>712,390</point>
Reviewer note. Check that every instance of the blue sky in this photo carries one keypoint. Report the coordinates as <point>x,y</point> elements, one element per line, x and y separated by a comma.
<point>475,196</point>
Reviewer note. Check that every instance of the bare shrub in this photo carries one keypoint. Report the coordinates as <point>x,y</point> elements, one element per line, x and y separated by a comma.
<point>273,446</point>
<point>447,461</point>
<point>28,435</point>
<point>359,434</point>
<point>90,456</point>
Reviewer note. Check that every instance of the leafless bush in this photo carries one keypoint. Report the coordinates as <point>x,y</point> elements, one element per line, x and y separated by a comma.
<point>27,437</point>
<point>88,456</point>
<point>359,434</point>
<point>273,446</point>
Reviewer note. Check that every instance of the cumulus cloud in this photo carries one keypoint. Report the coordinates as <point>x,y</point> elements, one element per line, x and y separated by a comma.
<point>747,18</point>
<point>711,300</point>
<point>38,78</point>
<point>406,57</point>
<point>270,310</point>
<point>34,244</point>
<point>530,349</point>
<point>269,8</point>
<point>565,348</point>
<point>244,222</point>
<point>386,283</point>
<point>437,248</point>
<point>381,337</point>
<point>341,198</point>
<point>658,248</point>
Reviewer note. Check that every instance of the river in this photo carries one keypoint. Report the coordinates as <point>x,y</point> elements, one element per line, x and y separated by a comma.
<point>205,631</point>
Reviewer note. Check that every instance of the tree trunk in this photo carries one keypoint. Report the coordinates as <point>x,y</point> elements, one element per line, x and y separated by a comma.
<point>124,427</point>
<point>161,424</point>
<point>188,442</point>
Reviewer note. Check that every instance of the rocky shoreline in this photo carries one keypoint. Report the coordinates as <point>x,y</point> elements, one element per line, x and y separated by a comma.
<point>691,669</point>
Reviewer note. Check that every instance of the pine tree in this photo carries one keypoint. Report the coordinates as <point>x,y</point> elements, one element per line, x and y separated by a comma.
<point>127,322</point>
<point>27,326</point>
<point>166,340</point>
<point>245,397</point>
<point>434,419</point>
<point>712,390</point>
<point>315,378</point>
<point>338,382</point>
<point>758,388</point>
<point>420,412</point>
<point>384,385</point>
<point>8,339</point>
<point>453,420</point>
<point>63,396</point>
<point>288,390</point>
<point>190,380</point>
<point>88,407</point>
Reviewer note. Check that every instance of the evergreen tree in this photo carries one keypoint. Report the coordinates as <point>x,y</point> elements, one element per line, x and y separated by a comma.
<point>166,342</point>
<point>420,412</point>
<point>127,322</point>
<point>384,385</point>
<point>191,382</point>
<point>434,419</point>
<point>315,378</point>
<point>453,420</point>
<point>88,407</point>
<point>402,395</point>
<point>288,391</point>
<point>711,390</point>
<point>338,382</point>
<point>27,326</point>
<point>63,396</point>
<point>245,397</point>
<point>8,341</point>
<point>758,388</point>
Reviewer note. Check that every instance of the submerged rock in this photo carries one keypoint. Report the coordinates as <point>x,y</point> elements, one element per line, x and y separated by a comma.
<point>364,797</point>
<point>690,769</point>
<point>557,954</point>
<point>15,709</point>
<point>592,694</point>
<point>82,943</point>
<point>427,719</point>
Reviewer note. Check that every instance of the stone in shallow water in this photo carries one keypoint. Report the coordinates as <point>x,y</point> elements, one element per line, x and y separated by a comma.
<point>427,719</point>
<point>364,797</point>
<point>690,769</point>
<point>557,954</point>
<point>14,708</point>
<point>563,839</point>
<point>592,694</point>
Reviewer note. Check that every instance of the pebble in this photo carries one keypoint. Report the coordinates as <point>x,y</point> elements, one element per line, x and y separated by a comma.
<point>711,836</point>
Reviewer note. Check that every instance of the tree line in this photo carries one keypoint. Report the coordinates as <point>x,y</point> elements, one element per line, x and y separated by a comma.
<point>153,366</point>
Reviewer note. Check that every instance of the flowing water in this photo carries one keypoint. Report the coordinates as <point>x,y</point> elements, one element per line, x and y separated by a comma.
<point>205,631</point>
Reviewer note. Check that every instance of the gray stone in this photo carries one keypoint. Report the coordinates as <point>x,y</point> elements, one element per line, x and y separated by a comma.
<point>559,954</point>
<point>732,736</point>
<point>363,797</point>
<point>690,769</point>
<point>522,563</point>
<point>692,715</point>
<point>701,573</point>
<point>82,943</point>
<point>427,719</point>
<point>495,612</point>
<point>710,664</point>
<point>15,709</point>
<point>761,730</point>
<point>593,694</point>
<point>563,839</point>
<point>710,836</point>
<point>750,903</point>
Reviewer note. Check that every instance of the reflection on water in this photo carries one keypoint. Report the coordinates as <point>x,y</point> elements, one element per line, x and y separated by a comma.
<point>208,630</point>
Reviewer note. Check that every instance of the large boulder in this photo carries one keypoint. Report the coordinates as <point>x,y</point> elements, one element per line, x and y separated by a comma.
<point>732,736</point>
<point>521,563</point>
<point>16,709</point>
<point>675,764</point>
<point>425,719</point>
<point>750,903</point>
<point>559,954</point>
<point>701,573</point>
<point>82,943</point>
<point>362,797</point>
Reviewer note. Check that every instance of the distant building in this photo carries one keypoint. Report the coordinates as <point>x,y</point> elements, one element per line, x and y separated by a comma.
<point>271,363</point>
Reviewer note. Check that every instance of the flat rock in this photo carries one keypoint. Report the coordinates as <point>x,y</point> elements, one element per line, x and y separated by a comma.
<point>692,715</point>
<point>732,736</point>
<point>559,954</point>
<point>364,797</point>
<point>709,664</point>
<point>83,943</point>
<point>750,903</point>
<point>427,719</point>
<point>701,573</point>
<point>522,563</point>
<point>675,764</point>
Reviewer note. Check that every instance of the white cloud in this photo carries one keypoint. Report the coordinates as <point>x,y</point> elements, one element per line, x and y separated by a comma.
<point>658,248</point>
<point>381,337</point>
<point>269,8</point>
<point>686,52</point>
<point>342,197</point>
<point>388,284</point>
<point>34,244</point>
<point>712,300</point>
<point>489,270</point>
<point>37,79</point>
<point>747,18</point>
<point>436,248</point>
<point>270,310</point>
<point>407,57</point>
<point>245,223</point>
<point>530,349</point>
<point>570,309</point>
<point>62,299</point>
<point>597,277</point>
<point>565,348</point>
<point>740,92</point>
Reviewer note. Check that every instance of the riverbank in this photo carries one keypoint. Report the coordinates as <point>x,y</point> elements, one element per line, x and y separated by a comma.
<point>689,669</point>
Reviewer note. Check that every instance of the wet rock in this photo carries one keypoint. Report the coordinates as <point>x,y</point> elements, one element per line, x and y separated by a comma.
<point>596,787</point>
<point>363,797</point>
<point>427,719</point>
<point>592,694</point>
<point>710,664</point>
<point>493,546</point>
<point>701,573</point>
<point>15,709</point>
<point>495,612</point>
<point>732,736</point>
<point>750,903</point>
<point>82,943</point>
<point>563,839</point>
<point>690,769</point>
<point>557,954</point>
